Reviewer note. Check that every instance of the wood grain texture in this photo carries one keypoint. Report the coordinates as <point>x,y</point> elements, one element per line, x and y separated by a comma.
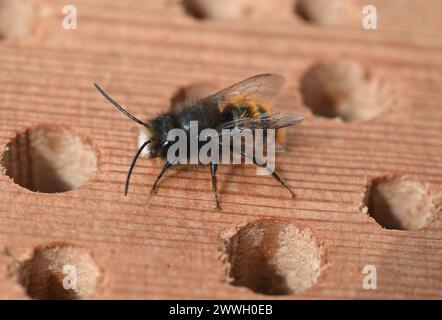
<point>169,245</point>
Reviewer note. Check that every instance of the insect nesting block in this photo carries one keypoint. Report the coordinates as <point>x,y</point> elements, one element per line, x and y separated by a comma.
<point>365,164</point>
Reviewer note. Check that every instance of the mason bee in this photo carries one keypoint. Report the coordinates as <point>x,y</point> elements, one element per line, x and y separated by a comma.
<point>243,107</point>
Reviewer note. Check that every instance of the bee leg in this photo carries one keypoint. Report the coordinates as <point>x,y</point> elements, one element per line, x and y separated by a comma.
<point>274,175</point>
<point>283,183</point>
<point>166,167</point>
<point>213,168</point>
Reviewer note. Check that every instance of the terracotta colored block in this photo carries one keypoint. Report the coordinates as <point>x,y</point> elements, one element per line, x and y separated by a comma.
<point>367,156</point>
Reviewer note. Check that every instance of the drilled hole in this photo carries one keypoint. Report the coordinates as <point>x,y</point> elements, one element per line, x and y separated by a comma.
<point>192,93</point>
<point>400,203</point>
<point>215,9</point>
<point>325,12</point>
<point>49,159</point>
<point>344,90</point>
<point>16,18</point>
<point>59,271</point>
<point>273,257</point>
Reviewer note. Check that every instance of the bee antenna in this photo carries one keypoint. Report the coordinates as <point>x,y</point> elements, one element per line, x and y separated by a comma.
<point>118,106</point>
<point>133,165</point>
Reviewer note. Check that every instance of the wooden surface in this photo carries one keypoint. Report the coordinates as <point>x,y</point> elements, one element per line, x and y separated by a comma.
<point>171,245</point>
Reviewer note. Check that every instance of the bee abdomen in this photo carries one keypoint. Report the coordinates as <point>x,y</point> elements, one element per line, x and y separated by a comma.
<point>245,108</point>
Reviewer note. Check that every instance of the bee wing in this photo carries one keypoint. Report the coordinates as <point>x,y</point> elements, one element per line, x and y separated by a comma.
<point>261,88</point>
<point>276,120</point>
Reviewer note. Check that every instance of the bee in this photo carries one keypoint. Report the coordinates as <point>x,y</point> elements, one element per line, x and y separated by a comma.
<point>242,106</point>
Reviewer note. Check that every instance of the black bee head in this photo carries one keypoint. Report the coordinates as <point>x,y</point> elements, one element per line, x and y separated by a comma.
<point>159,129</point>
<point>162,125</point>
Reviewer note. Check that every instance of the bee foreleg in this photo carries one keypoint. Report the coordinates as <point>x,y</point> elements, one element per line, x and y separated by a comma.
<point>213,168</point>
<point>166,167</point>
<point>274,174</point>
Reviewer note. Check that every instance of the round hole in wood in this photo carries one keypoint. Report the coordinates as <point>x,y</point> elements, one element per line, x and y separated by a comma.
<point>273,257</point>
<point>325,12</point>
<point>17,18</point>
<point>215,9</point>
<point>49,159</point>
<point>400,203</point>
<point>344,90</point>
<point>59,271</point>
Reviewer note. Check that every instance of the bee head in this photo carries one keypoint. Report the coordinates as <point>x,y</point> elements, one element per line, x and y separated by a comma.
<point>156,131</point>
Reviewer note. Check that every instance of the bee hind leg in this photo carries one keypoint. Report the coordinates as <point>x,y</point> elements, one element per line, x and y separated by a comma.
<point>213,168</point>
<point>166,167</point>
<point>283,183</point>
<point>274,174</point>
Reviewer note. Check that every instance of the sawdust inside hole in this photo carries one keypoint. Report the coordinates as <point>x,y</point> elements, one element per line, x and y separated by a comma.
<point>344,90</point>
<point>17,18</point>
<point>59,271</point>
<point>325,12</point>
<point>400,203</point>
<point>49,159</point>
<point>273,258</point>
<point>215,9</point>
